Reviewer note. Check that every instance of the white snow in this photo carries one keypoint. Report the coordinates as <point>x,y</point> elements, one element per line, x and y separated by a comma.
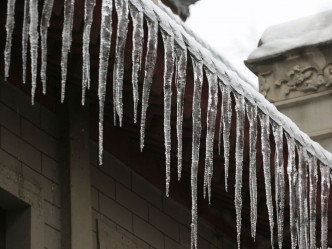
<point>303,32</point>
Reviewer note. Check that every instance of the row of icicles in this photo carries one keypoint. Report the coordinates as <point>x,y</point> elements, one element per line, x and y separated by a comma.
<point>302,178</point>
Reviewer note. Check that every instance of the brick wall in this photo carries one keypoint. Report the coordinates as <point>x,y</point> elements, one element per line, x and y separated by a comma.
<point>132,207</point>
<point>29,156</point>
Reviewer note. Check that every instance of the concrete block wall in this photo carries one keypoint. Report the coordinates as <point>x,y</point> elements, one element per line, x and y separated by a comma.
<point>135,209</point>
<point>29,150</point>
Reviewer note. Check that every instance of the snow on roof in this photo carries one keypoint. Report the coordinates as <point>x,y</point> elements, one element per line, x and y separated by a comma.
<point>308,31</point>
<point>215,63</point>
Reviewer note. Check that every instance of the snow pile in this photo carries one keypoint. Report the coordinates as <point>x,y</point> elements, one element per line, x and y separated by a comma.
<point>303,32</point>
<point>178,40</point>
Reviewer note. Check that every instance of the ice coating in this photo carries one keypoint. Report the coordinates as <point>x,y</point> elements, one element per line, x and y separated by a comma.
<point>66,42</point>
<point>226,106</point>
<point>266,151</point>
<point>240,115</point>
<point>25,39</point>
<point>180,83</point>
<point>44,24</point>
<point>168,77</point>
<point>302,180</point>
<point>150,62</point>
<point>279,180</point>
<point>292,180</point>
<point>34,39</point>
<point>89,6</point>
<point>122,11</point>
<point>105,45</point>
<point>137,53</point>
<point>10,24</point>
<point>325,192</point>
<point>252,117</point>
<point>313,178</point>
<point>197,126</point>
<point>211,126</point>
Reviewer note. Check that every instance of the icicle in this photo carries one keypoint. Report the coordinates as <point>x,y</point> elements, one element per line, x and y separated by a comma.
<point>292,179</point>
<point>197,126</point>
<point>180,82</point>
<point>325,192</point>
<point>10,23</point>
<point>25,38</point>
<point>313,178</point>
<point>168,77</point>
<point>105,45</point>
<point>122,10</point>
<point>266,151</point>
<point>89,6</point>
<point>221,122</point>
<point>279,180</point>
<point>302,180</point>
<point>150,62</point>
<point>34,38</point>
<point>211,126</point>
<point>138,37</point>
<point>240,114</point>
<point>252,117</point>
<point>44,24</point>
<point>226,106</point>
<point>66,42</point>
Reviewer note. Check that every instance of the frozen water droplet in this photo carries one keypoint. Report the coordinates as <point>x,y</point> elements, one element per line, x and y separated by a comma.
<point>105,45</point>
<point>150,62</point>
<point>89,6</point>
<point>197,127</point>
<point>138,38</point>
<point>44,24</point>
<point>122,11</point>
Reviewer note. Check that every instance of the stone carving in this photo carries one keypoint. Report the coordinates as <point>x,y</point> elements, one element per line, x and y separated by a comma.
<point>264,86</point>
<point>307,79</point>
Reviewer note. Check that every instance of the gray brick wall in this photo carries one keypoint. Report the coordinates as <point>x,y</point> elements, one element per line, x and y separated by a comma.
<point>29,148</point>
<point>140,212</point>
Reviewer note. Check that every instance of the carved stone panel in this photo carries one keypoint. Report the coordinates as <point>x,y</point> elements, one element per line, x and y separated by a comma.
<point>306,79</point>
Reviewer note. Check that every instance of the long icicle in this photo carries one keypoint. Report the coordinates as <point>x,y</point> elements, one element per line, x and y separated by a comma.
<point>197,126</point>
<point>266,151</point>
<point>252,117</point>
<point>138,38</point>
<point>34,38</point>
<point>226,119</point>
<point>44,24</point>
<point>292,179</point>
<point>122,10</point>
<point>150,62</point>
<point>240,115</point>
<point>279,180</point>
<point>302,180</point>
<point>168,77</point>
<point>313,178</point>
<point>25,39</point>
<point>180,82</point>
<point>211,126</point>
<point>105,45</point>
<point>325,192</point>
<point>89,6</point>
<point>66,42</point>
<point>10,24</point>
<point>221,119</point>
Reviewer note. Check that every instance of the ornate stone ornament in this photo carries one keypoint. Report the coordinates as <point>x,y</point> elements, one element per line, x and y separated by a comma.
<point>307,79</point>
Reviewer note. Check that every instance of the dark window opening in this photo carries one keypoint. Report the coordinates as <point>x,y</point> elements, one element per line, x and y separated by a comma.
<point>2,229</point>
<point>15,222</point>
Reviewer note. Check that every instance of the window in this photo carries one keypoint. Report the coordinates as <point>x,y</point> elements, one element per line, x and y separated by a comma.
<point>15,220</point>
<point>2,229</point>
